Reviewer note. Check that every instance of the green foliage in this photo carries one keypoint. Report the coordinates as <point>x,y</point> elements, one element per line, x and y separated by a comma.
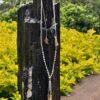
<point>10,15</point>
<point>79,17</point>
<point>14,3</point>
<point>84,2</point>
<point>80,56</point>
<point>8,9</point>
<point>8,62</point>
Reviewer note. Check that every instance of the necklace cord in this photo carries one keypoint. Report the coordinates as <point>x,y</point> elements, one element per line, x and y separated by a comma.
<point>41,41</point>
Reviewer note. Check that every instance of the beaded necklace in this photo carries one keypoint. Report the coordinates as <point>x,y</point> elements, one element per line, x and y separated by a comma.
<point>42,49</point>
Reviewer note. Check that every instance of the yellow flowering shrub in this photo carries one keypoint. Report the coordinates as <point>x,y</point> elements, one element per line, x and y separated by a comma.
<point>80,56</point>
<point>8,61</point>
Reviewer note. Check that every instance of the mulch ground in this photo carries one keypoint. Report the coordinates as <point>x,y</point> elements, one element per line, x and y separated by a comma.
<point>87,89</point>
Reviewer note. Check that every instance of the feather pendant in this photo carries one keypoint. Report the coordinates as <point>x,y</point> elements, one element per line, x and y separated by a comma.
<point>46,40</point>
<point>50,90</point>
<point>49,97</point>
<point>56,41</point>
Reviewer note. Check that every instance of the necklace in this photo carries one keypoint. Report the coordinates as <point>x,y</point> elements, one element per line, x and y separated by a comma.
<point>42,49</point>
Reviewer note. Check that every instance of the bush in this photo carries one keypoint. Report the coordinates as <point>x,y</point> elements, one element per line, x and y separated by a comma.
<point>8,9</point>
<point>10,15</point>
<point>80,56</point>
<point>8,61</point>
<point>79,17</point>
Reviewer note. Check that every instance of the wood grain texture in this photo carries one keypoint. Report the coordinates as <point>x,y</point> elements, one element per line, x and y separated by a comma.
<point>29,53</point>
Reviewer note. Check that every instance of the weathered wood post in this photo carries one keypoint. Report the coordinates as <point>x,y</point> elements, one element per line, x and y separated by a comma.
<point>32,74</point>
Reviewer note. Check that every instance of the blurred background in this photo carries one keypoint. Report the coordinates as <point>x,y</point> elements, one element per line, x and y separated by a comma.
<point>80,44</point>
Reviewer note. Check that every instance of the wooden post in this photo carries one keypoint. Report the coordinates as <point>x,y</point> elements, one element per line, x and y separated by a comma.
<point>29,53</point>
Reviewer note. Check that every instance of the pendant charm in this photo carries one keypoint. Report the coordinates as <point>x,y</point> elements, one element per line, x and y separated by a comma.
<point>49,97</point>
<point>50,90</point>
<point>56,41</point>
<point>46,40</point>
